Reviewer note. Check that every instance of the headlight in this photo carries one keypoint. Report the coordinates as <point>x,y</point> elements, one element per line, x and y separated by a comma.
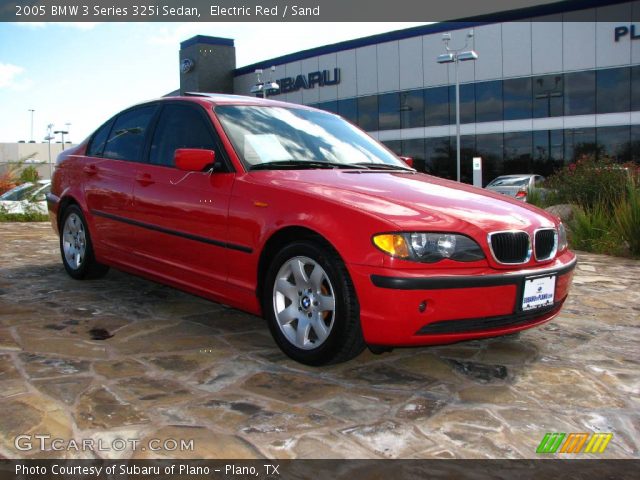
<point>562,238</point>
<point>429,247</point>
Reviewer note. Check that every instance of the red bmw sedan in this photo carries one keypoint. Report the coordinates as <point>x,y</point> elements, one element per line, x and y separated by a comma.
<point>295,214</point>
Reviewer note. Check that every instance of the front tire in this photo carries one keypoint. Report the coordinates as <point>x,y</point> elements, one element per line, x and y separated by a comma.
<point>311,306</point>
<point>76,248</point>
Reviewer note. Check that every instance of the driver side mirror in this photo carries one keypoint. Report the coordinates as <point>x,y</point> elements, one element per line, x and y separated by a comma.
<point>194,159</point>
<point>407,160</point>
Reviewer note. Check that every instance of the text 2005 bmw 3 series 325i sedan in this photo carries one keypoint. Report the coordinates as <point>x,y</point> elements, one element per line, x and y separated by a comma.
<point>295,214</point>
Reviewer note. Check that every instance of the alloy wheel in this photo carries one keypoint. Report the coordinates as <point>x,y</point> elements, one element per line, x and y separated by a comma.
<point>304,302</point>
<point>74,241</point>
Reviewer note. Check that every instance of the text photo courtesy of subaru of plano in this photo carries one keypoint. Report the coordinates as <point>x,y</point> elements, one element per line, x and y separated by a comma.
<point>293,213</point>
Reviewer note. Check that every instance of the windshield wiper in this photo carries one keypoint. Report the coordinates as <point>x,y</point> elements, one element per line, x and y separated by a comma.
<point>299,164</point>
<point>382,166</point>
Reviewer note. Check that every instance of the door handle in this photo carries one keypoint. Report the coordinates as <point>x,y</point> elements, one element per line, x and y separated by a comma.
<point>90,169</point>
<point>144,179</point>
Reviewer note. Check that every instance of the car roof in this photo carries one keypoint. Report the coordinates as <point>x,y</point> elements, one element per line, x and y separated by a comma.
<point>522,175</point>
<point>215,99</point>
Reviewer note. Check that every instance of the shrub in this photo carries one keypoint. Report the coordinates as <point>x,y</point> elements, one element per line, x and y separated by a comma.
<point>627,217</point>
<point>593,229</point>
<point>536,197</point>
<point>542,197</point>
<point>29,174</point>
<point>589,182</point>
<point>9,178</point>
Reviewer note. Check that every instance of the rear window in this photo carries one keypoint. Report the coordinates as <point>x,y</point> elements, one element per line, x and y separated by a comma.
<point>510,182</point>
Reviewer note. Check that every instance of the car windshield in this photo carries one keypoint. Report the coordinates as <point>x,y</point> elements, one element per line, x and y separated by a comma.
<point>21,192</point>
<point>510,182</point>
<point>276,137</point>
<point>40,195</point>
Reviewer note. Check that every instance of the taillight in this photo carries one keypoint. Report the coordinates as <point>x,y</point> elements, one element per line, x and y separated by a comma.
<point>521,195</point>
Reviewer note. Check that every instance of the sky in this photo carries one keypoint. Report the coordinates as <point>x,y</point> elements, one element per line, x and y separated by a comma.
<point>82,73</point>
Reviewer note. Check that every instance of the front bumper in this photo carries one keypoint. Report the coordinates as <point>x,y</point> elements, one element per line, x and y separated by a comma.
<point>402,308</point>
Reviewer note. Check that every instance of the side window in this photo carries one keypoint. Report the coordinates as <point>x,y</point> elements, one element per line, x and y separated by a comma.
<point>180,126</point>
<point>126,139</point>
<point>99,140</point>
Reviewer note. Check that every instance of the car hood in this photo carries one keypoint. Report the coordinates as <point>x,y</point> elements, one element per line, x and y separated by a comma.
<point>412,200</point>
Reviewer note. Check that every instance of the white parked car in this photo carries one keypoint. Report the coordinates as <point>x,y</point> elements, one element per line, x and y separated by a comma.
<point>516,186</point>
<point>28,197</point>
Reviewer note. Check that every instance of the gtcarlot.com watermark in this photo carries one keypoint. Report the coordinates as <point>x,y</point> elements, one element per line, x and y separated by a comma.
<point>25,443</point>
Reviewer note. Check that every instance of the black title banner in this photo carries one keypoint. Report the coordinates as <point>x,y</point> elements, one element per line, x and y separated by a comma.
<point>301,10</point>
<point>316,469</point>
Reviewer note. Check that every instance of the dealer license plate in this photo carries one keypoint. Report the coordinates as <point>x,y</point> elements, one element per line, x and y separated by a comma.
<point>538,292</point>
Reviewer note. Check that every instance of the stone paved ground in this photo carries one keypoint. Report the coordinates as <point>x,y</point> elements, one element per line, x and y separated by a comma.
<point>178,367</point>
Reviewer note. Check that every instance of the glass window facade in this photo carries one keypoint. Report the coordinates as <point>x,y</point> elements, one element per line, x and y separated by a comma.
<point>603,91</point>
<point>580,93</point>
<point>414,148</point>
<point>394,145</point>
<point>439,159</point>
<point>389,111</point>
<point>436,106</point>
<point>467,152</point>
<point>488,97</point>
<point>348,109</point>
<point>517,98</point>
<point>412,110</point>
<point>614,143</point>
<point>548,151</point>
<point>467,103</point>
<point>608,90</point>
<point>635,88</point>
<point>540,152</point>
<point>518,152</point>
<point>613,90</point>
<point>331,106</point>
<point>368,113</point>
<point>490,149</point>
<point>548,96</point>
<point>579,142</point>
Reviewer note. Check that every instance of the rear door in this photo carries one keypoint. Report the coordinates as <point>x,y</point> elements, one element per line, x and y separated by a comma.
<point>183,215</point>
<point>109,169</point>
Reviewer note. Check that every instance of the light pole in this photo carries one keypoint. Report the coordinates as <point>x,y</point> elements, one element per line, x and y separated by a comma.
<point>48,138</point>
<point>260,88</point>
<point>62,134</point>
<point>31,110</point>
<point>455,56</point>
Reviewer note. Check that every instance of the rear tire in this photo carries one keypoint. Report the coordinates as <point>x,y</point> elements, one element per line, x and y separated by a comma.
<point>76,248</point>
<point>310,305</point>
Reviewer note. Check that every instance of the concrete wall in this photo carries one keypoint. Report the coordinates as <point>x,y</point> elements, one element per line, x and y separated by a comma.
<point>36,154</point>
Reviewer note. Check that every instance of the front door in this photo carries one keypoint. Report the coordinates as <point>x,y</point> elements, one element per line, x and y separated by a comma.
<point>182,216</point>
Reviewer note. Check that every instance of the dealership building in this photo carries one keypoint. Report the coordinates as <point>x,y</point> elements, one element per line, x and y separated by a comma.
<point>550,84</point>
